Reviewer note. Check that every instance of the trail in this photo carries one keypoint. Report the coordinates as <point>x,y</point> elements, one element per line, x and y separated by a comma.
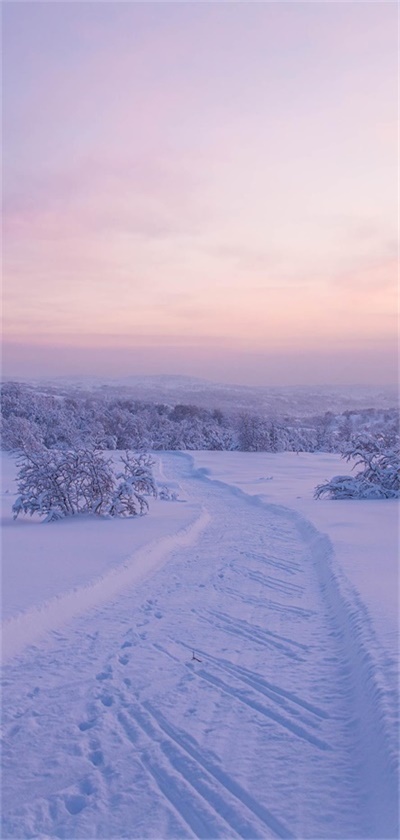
<point>30,625</point>
<point>114,730</point>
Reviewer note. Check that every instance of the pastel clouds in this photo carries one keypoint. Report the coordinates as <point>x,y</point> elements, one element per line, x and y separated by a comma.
<point>177,171</point>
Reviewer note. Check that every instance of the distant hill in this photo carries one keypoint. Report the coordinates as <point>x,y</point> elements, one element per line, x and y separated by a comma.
<point>274,400</point>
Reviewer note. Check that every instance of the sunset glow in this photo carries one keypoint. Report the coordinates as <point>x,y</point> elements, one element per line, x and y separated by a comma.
<point>201,189</point>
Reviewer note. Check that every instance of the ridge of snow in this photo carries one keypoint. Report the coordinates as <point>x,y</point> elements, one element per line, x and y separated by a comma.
<point>28,627</point>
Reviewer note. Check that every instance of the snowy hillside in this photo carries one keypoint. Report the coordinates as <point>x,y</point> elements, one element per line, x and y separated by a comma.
<point>224,667</point>
<point>273,400</point>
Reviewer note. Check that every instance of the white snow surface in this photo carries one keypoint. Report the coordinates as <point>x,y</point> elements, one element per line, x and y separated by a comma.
<point>364,533</point>
<point>283,725</point>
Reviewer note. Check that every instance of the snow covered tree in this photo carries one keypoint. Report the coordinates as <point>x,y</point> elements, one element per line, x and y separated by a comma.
<point>135,482</point>
<point>346,427</point>
<point>253,433</point>
<point>68,418</point>
<point>56,483</point>
<point>20,434</point>
<point>380,477</point>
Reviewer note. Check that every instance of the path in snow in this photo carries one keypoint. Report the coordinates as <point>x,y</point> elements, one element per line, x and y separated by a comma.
<point>28,626</point>
<point>114,730</point>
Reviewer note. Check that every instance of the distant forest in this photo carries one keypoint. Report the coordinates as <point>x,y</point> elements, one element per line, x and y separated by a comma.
<point>33,418</point>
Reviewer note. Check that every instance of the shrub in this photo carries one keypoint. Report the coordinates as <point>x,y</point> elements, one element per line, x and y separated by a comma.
<point>56,484</point>
<point>379,478</point>
<point>135,482</point>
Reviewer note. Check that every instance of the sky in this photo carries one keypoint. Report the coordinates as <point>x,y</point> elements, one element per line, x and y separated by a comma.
<point>197,188</point>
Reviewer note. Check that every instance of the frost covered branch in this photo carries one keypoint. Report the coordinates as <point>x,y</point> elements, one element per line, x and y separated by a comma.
<point>57,483</point>
<point>379,477</point>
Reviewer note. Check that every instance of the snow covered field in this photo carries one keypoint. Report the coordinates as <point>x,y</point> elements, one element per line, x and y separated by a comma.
<point>284,725</point>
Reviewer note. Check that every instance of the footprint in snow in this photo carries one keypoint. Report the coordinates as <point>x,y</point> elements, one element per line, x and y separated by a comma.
<point>14,730</point>
<point>107,700</point>
<point>86,724</point>
<point>123,659</point>
<point>191,711</point>
<point>96,757</point>
<point>105,675</point>
<point>86,786</point>
<point>75,803</point>
<point>73,749</point>
<point>34,693</point>
<point>130,638</point>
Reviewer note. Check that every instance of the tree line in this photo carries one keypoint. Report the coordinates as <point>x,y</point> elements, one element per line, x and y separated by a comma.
<point>33,419</point>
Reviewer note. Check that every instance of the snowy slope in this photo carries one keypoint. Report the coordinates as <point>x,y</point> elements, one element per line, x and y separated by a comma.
<point>278,728</point>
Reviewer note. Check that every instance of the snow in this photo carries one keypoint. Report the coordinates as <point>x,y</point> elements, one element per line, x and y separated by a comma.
<point>49,575</point>
<point>284,725</point>
<point>364,534</point>
<point>42,563</point>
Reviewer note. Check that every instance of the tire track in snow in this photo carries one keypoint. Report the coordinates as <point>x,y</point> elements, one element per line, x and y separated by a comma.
<point>240,622</point>
<point>189,745</point>
<point>286,609</point>
<point>174,794</point>
<point>260,686</point>
<point>281,586</point>
<point>242,697</point>
<point>280,760</point>
<point>202,774</point>
<point>190,798</point>
<point>372,706</point>
<point>251,632</point>
<point>283,565</point>
<point>152,734</point>
<point>285,699</point>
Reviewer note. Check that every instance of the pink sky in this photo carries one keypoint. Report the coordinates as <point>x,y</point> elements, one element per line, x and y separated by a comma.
<point>201,189</point>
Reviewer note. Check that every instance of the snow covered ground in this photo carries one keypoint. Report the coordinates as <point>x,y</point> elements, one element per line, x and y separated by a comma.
<point>285,723</point>
<point>364,534</point>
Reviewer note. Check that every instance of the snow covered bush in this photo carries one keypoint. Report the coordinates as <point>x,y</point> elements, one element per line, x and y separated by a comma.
<point>380,477</point>
<point>166,494</point>
<point>58,483</point>
<point>135,482</point>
